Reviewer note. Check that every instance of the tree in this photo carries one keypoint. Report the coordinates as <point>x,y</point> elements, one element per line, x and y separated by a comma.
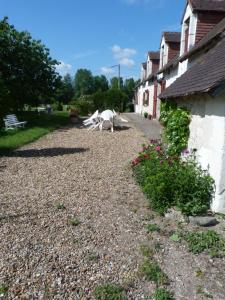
<point>116,99</point>
<point>83,83</point>
<point>27,69</point>
<point>65,91</point>
<point>101,83</point>
<point>128,88</point>
<point>114,83</point>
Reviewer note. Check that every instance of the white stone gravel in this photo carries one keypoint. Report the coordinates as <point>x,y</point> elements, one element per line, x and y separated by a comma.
<point>42,255</point>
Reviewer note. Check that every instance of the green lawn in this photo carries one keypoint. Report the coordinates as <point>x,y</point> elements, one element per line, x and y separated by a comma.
<point>37,126</point>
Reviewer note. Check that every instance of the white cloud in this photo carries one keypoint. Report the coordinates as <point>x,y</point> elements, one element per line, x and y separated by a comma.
<point>120,53</point>
<point>124,55</point>
<point>107,70</point>
<point>63,68</point>
<point>127,62</point>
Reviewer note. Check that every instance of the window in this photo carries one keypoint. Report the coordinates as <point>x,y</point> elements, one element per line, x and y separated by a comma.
<point>163,55</point>
<point>186,35</point>
<point>146,98</point>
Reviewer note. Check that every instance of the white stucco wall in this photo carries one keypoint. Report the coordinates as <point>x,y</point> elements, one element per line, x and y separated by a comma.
<point>171,77</point>
<point>207,135</point>
<point>140,108</point>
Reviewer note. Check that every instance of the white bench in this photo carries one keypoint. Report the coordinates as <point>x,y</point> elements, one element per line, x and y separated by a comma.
<point>11,122</point>
<point>41,110</point>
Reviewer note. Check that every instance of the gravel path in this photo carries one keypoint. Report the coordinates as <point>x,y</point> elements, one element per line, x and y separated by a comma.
<point>72,218</point>
<point>44,255</point>
<point>150,128</point>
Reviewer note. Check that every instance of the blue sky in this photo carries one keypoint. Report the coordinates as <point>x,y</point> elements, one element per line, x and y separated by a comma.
<point>96,34</point>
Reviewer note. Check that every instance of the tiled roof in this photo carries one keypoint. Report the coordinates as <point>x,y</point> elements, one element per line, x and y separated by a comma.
<point>154,55</point>
<point>151,77</point>
<point>172,37</point>
<point>172,63</point>
<point>206,74</point>
<point>208,5</point>
<point>214,33</point>
<point>206,40</point>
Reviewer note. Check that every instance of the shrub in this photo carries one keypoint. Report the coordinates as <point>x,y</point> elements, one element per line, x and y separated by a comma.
<point>176,122</point>
<point>171,181</point>
<point>110,292</point>
<point>145,115</point>
<point>57,106</point>
<point>83,106</point>
<point>162,294</point>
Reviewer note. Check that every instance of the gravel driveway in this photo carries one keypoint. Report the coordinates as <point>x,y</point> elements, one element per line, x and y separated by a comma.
<point>52,251</point>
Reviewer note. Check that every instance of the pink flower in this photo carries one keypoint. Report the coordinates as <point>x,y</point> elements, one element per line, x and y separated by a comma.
<point>158,148</point>
<point>185,152</point>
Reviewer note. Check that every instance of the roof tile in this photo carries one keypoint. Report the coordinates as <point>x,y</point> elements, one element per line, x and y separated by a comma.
<point>206,74</point>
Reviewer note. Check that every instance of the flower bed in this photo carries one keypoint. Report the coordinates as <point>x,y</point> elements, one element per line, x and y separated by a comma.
<point>173,180</point>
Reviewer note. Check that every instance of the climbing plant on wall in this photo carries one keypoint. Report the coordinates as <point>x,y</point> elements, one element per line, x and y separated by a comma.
<point>176,122</point>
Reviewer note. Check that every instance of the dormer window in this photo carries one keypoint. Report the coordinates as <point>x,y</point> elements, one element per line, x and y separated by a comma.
<point>186,35</point>
<point>163,54</point>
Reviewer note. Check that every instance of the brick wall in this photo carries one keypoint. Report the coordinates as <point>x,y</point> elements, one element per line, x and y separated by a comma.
<point>174,50</point>
<point>155,65</point>
<point>206,21</point>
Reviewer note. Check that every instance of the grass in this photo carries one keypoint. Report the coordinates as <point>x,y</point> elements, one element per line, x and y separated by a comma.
<point>93,257</point>
<point>37,126</point>
<point>110,292</point>
<point>74,222</point>
<point>209,241</point>
<point>3,289</point>
<point>152,272</point>
<point>152,228</point>
<point>162,294</point>
<point>146,251</point>
<point>60,206</point>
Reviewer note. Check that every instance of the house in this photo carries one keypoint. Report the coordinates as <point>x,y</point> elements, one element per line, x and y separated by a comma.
<point>200,86</point>
<point>169,54</point>
<point>146,91</point>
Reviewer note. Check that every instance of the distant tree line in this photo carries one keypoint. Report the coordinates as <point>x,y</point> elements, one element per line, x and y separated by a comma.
<point>28,76</point>
<point>96,89</point>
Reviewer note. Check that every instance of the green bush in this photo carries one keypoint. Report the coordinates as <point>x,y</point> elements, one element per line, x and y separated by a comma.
<point>176,126</point>
<point>84,106</point>
<point>171,181</point>
<point>57,106</point>
<point>145,115</point>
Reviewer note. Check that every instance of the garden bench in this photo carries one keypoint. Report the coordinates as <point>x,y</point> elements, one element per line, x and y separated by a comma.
<point>11,122</point>
<point>41,110</point>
